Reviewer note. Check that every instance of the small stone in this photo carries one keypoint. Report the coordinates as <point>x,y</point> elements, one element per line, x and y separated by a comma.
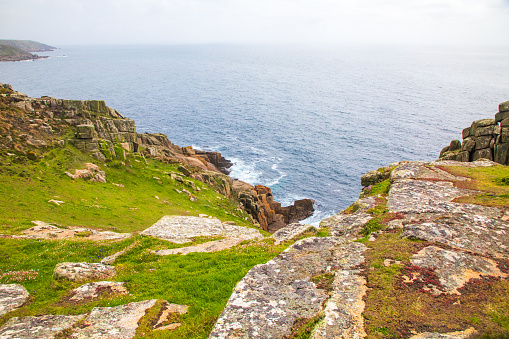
<point>56,202</point>
<point>94,290</point>
<point>83,271</point>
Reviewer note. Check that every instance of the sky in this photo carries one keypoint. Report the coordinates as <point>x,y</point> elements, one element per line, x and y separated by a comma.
<point>407,22</point>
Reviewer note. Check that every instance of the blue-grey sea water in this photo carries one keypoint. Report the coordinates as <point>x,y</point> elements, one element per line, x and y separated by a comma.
<point>306,121</point>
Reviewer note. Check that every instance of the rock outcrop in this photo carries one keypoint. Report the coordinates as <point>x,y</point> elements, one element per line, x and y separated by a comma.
<point>267,302</point>
<point>107,135</point>
<point>182,229</point>
<point>484,139</point>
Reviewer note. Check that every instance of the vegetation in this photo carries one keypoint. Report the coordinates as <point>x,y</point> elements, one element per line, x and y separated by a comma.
<point>27,45</point>
<point>148,193</point>
<point>492,180</point>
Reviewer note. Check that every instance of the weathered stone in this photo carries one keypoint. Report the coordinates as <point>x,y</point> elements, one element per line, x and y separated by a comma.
<point>83,271</point>
<point>85,132</point>
<point>376,176</point>
<point>505,122</point>
<point>501,152</point>
<point>43,327</point>
<point>502,116</point>
<point>465,133</point>
<point>453,268</point>
<point>343,311</point>
<point>346,225</point>
<point>487,130</point>
<point>12,296</point>
<point>431,170</point>
<point>485,153</point>
<point>504,135</point>
<point>44,230</point>
<point>481,123</point>
<point>442,152</point>
<point>211,246</point>
<point>268,300</point>
<point>118,322</point>
<point>504,107</point>
<point>290,231</point>
<point>482,142</point>
<point>181,229</point>
<point>94,290</point>
<point>468,230</point>
<point>467,334</point>
<point>419,196</point>
<point>463,156</point>
<point>455,145</point>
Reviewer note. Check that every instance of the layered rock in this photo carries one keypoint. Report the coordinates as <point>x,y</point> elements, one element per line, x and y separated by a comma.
<point>484,139</point>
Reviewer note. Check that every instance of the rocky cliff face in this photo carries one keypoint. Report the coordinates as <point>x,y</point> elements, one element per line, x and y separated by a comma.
<point>486,139</point>
<point>93,127</point>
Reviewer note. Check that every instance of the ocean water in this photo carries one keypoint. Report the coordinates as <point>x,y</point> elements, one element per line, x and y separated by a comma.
<point>306,121</point>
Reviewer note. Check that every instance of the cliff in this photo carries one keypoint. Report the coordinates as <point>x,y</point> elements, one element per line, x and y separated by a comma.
<point>92,127</point>
<point>9,53</point>
<point>135,246</point>
<point>484,139</point>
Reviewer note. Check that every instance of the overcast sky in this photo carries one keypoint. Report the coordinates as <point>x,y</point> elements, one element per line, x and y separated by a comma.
<point>436,22</point>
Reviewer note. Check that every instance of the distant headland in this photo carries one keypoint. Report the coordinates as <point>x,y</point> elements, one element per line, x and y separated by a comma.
<point>20,50</point>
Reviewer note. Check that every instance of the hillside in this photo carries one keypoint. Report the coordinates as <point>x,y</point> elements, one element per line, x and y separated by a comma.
<point>9,53</point>
<point>108,233</point>
<point>28,45</point>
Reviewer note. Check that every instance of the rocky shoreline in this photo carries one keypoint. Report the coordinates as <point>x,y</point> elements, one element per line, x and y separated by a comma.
<point>106,134</point>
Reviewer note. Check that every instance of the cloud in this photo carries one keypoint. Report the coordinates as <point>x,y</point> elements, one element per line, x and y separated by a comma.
<point>258,21</point>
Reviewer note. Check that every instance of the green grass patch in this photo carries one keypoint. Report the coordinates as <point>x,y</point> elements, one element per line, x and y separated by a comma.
<point>203,281</point>
<point>148,193</point>
<point>492,180</point>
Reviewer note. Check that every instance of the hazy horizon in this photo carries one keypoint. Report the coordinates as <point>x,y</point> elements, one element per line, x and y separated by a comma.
<point>384,22</point>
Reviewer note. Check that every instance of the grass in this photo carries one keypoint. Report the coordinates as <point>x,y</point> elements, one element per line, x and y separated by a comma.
<point>27,186</point>
<point>204,281</point>
<point>493,181</point>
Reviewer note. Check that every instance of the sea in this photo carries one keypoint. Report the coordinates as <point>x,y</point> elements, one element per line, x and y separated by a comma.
<point>307,121</point>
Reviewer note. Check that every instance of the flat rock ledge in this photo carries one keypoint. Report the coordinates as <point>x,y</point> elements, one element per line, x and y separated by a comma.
<point>454,268</point>
<point>44,230</point>
<point>43,327</point>
<point>12,296</point>
<point>118,322</point>
<point>210,246</point>
<point>94,290</point>
<point>272,296</point>
<point>181,229</point>
<point>290,231</point>
<point>81,271</point>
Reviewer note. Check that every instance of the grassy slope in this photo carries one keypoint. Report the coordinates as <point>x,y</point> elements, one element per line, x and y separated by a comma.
<point>27,45</point>
<point>10,51</point>
<point>27,186</point>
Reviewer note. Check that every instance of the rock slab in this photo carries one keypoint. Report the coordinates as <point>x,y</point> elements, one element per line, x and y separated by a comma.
<point>271,297</point>
<point>80,271</point>
<point>43,327</point>
<point>181,229</point>
<point>12,296</point>
<point>118,322</point>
